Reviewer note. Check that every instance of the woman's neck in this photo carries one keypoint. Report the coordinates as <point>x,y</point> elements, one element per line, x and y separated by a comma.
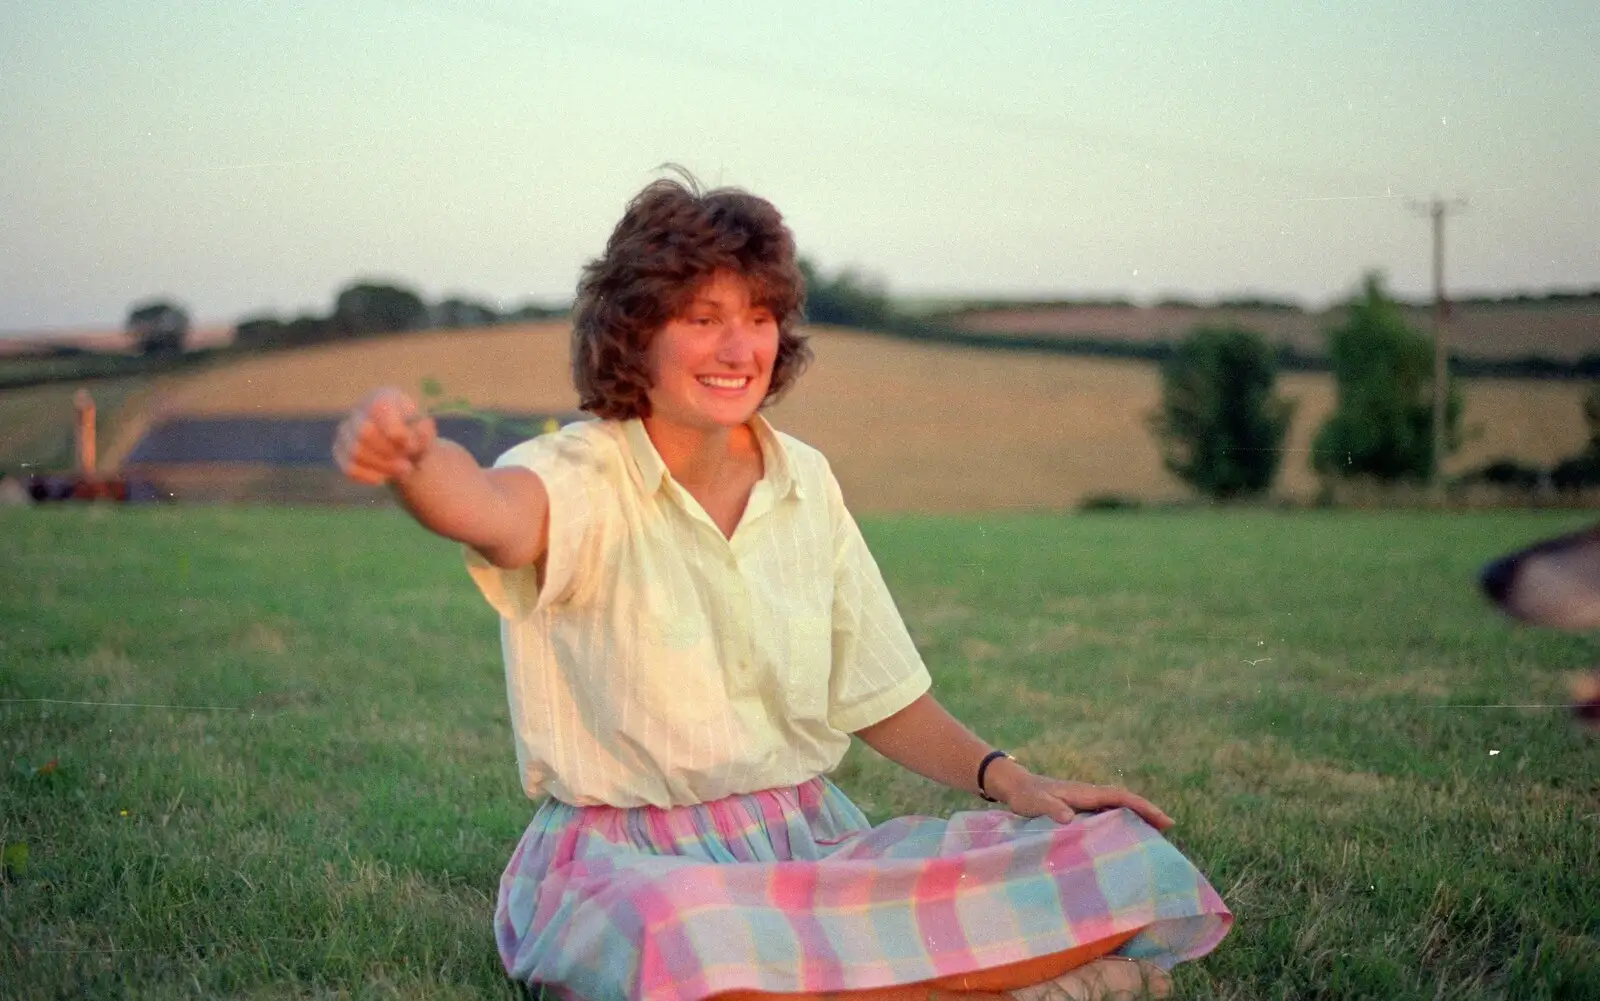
<point>697,457</point>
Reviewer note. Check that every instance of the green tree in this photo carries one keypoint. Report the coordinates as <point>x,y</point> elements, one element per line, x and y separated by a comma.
<point>1221,427</point>
<point>459,311</point>
<point>271,332</point>
<point>1582,471</point>
<point>537,311</point>
<point>1382,423</point>
<point>158,326</point>
<point>372,308</point>
<point>847,299</point>
<point>1591,417</point>
<point>265,331</point>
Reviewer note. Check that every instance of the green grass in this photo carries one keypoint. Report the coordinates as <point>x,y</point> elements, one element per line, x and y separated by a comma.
<point>307,785</point>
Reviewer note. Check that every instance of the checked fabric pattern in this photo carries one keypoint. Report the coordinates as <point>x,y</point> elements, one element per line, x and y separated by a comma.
<point>791,890</point>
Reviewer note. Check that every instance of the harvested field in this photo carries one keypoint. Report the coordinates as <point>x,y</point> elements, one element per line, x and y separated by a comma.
<point>907,426</point>
<point>1565,331</point>
<point>517,367</point>
<point>912,427</point>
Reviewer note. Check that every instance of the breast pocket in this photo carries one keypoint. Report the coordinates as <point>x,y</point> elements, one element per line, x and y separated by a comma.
<point>810,662</point>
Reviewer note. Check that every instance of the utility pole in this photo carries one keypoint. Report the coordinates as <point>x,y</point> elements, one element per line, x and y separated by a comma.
<point>1437,209</point>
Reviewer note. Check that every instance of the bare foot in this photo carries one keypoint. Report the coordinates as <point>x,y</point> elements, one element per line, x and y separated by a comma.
<point>1110,979</point>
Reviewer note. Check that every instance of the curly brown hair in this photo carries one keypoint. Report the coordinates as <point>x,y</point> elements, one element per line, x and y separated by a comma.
<point>672,239</point>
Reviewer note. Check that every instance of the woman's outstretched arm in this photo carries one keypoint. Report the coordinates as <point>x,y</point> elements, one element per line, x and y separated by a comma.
<point>924,738</point>
<point>502,513</point>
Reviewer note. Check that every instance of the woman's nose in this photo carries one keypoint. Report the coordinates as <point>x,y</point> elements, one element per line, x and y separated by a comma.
<point>737,344</point>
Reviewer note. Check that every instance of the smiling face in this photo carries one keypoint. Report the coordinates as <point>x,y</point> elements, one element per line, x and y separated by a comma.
<point>711,365</point>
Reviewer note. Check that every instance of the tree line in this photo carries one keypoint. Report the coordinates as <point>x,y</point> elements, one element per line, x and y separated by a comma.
<point>1222,427</point>
<point>361,308</point>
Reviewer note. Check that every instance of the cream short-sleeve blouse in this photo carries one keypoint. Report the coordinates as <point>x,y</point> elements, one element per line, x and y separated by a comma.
<point>652,661</point>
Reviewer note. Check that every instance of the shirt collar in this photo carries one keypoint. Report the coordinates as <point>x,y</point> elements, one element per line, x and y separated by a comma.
<point>778,469</point>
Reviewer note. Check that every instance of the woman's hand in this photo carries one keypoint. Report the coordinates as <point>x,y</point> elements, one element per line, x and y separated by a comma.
<point>384,438</point>
<point>1030,795</point>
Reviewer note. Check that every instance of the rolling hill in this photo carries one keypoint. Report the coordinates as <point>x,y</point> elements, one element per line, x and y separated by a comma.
<point>907,426</point>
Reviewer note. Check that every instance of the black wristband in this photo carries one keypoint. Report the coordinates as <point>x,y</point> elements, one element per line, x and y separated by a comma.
<point>983,766</point>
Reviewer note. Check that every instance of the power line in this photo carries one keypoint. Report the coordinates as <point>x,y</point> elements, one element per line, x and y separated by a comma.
<point>1055,128</point>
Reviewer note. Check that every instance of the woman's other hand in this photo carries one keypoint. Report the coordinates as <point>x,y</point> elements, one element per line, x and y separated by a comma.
<point>1030,795</point>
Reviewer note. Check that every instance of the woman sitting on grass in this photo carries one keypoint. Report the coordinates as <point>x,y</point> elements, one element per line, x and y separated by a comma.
<point>693,630</point>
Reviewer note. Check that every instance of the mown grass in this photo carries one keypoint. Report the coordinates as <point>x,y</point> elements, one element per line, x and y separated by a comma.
<point>296,775</point>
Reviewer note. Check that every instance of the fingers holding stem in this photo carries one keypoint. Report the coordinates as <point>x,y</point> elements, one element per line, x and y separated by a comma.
<point>384,438</point>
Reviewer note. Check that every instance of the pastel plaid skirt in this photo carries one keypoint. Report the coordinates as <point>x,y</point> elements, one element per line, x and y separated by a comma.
<point>791,890</point>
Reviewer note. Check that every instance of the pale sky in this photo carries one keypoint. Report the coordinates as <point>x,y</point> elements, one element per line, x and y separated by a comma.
<point>253,157</point>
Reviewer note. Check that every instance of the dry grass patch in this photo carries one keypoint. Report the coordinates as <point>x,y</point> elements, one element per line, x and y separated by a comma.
<point>111,673</point>
<point>1427,682</point>
<point>977,651</point>
<point>259,637</point>
<point>1269,766</point>
<point>1006,688</point>
<point>932,608</point>
<point>1083,756</point>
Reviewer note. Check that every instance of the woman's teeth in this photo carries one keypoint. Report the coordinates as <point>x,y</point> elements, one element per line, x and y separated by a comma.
<point>720,382</point>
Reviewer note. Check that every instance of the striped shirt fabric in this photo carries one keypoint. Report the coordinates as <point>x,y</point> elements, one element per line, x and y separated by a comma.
<point>652,661</point>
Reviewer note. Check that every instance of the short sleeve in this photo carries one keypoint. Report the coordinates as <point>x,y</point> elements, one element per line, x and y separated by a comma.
<point>571,467</point>
<point>877,670</point>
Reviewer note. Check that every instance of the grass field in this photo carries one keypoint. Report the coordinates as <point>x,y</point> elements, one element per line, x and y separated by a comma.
<point>265,753</point>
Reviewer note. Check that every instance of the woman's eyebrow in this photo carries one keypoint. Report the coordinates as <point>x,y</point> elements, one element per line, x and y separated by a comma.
<point>703,302</point>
